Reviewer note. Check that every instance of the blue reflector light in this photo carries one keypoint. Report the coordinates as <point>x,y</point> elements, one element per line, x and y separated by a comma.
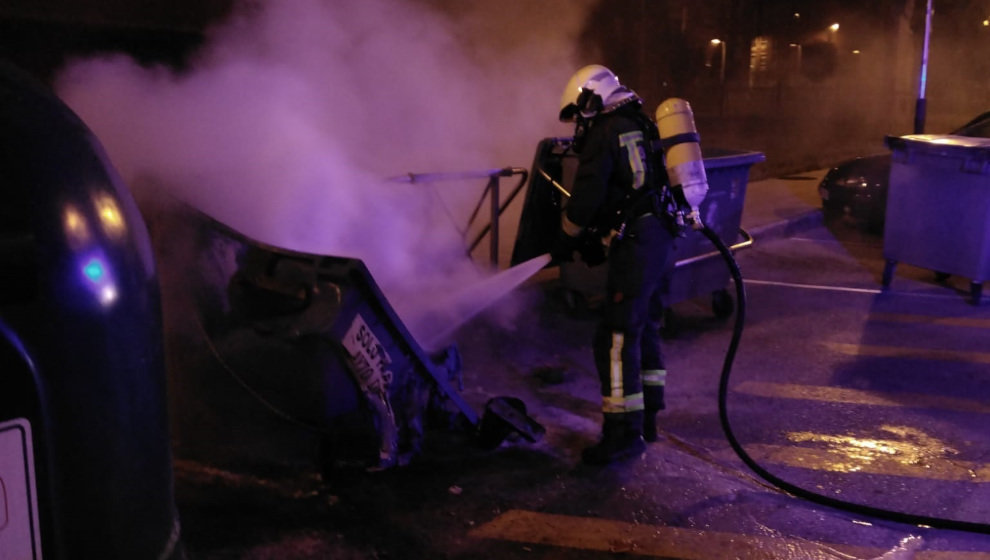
<point>94,270</point>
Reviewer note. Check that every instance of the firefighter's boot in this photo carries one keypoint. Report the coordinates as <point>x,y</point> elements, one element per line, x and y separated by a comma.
<point>654,405</point>
<point>622,438</point>
<point>650,426</point>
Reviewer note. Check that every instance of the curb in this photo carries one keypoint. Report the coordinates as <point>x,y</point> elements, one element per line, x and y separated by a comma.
<point>788,227</point>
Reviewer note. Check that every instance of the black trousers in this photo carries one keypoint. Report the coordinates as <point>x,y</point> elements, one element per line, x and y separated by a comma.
<point>627,339</point>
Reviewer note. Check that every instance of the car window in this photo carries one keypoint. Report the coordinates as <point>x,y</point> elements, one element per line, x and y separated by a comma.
<point>978,127</point>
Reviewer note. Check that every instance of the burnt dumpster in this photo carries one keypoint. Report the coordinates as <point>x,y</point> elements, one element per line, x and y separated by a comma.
<point>697,269</point>
<point>313,339</point>
<point>85,456</point>
<point>378,366</point>
<point>938,207</point>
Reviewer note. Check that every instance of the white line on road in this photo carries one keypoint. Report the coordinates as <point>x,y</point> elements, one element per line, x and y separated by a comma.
<point>856,396</point>
<point>618,537</point>
<point>903,353</point>
<point>847,289</point>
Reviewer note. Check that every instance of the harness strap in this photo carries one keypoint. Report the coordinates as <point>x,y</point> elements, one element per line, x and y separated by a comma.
<point>683,138</point>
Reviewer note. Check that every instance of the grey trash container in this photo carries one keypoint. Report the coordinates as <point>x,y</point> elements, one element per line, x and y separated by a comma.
<point>698,268</point>
<point>938,207</point>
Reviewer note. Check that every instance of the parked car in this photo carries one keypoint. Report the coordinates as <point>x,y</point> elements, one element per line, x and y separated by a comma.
<point>856,189</point>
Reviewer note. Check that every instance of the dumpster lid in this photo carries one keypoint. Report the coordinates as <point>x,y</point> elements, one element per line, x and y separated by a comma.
<point>944,144</point>
<point>716,158</point>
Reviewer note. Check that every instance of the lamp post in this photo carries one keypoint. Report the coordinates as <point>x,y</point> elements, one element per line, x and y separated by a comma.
<point>920,105</point>
<point>721,76</point>
<point>721,68</point>
<point>831,33</point>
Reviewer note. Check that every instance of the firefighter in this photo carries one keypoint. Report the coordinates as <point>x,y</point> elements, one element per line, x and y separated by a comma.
<point>615,210</point>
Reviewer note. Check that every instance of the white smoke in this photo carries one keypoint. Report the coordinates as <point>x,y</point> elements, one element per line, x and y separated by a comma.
<point>294,112</point>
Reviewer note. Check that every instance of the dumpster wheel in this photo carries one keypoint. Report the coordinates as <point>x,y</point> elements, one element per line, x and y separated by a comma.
<point>722,304</point>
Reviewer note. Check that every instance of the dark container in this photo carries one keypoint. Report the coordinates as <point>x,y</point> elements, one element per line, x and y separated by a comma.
<point>378,387</point>
<point>85,457</point>
<point>699,270</point>
<point>938,207</point>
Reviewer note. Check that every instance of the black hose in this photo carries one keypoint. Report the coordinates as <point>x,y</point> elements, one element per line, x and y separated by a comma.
<point>723,390</point>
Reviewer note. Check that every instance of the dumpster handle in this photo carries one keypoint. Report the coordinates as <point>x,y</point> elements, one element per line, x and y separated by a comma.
<point>746,242</point>
<point>491,190</point>
<point>496,208</point>
<point>555,184</point>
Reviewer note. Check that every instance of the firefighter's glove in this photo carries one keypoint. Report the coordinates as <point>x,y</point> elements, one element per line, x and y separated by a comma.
<point>694,218</point>
<point>562,249</point>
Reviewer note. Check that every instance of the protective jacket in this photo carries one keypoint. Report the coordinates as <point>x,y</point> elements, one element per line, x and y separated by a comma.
<point>616,163</point>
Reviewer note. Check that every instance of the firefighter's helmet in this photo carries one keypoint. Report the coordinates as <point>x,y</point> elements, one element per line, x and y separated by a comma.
<point>591,90</point>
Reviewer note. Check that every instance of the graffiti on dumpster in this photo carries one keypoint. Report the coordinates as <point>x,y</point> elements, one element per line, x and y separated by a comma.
<point>369,358</point>
<point>369,362</point>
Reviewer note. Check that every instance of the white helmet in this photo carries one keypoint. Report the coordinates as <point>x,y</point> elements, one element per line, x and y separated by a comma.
<point>591,90</point>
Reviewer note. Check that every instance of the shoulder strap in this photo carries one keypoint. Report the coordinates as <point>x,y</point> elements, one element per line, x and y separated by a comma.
<point>657,172</point>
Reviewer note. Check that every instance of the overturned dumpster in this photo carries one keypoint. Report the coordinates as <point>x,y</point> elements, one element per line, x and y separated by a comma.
<point>312,341</point>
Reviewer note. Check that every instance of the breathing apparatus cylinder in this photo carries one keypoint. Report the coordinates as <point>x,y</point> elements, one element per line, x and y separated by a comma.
<point>682,155</point>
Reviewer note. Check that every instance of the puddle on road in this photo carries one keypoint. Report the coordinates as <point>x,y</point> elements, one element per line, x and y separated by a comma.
<point>912,449</point>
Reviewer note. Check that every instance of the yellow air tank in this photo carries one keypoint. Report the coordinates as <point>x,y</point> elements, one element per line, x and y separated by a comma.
<point>682,151</point>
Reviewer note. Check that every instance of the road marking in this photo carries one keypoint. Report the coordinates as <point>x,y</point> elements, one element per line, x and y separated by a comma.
<point>971,322</point>
<point>812,286</point>
<point>619,537</point>
<point>856,396</point>
<point>909,353</point>
<point>847,289</point>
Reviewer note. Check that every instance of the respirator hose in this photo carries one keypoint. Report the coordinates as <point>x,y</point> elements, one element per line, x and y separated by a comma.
<point>723,390</point>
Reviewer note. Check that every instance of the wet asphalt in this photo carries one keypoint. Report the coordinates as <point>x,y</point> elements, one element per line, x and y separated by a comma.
<point>843,390</point>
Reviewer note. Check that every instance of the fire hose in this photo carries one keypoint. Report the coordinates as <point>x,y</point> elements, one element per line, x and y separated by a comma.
<point>685,166</point>
<point>723,390</point>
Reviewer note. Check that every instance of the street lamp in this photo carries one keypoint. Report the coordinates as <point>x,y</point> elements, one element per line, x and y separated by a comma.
<point>797,46</point>
<point>721,68</point>
<point>721,76</point>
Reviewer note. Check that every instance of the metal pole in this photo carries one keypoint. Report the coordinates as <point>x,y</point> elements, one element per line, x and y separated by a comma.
<point>721,75</point>
<point>493,184</point>
<point>721,83</point>
<point>721,68</point>
<point>920,105</point>
<point>491,189</point>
